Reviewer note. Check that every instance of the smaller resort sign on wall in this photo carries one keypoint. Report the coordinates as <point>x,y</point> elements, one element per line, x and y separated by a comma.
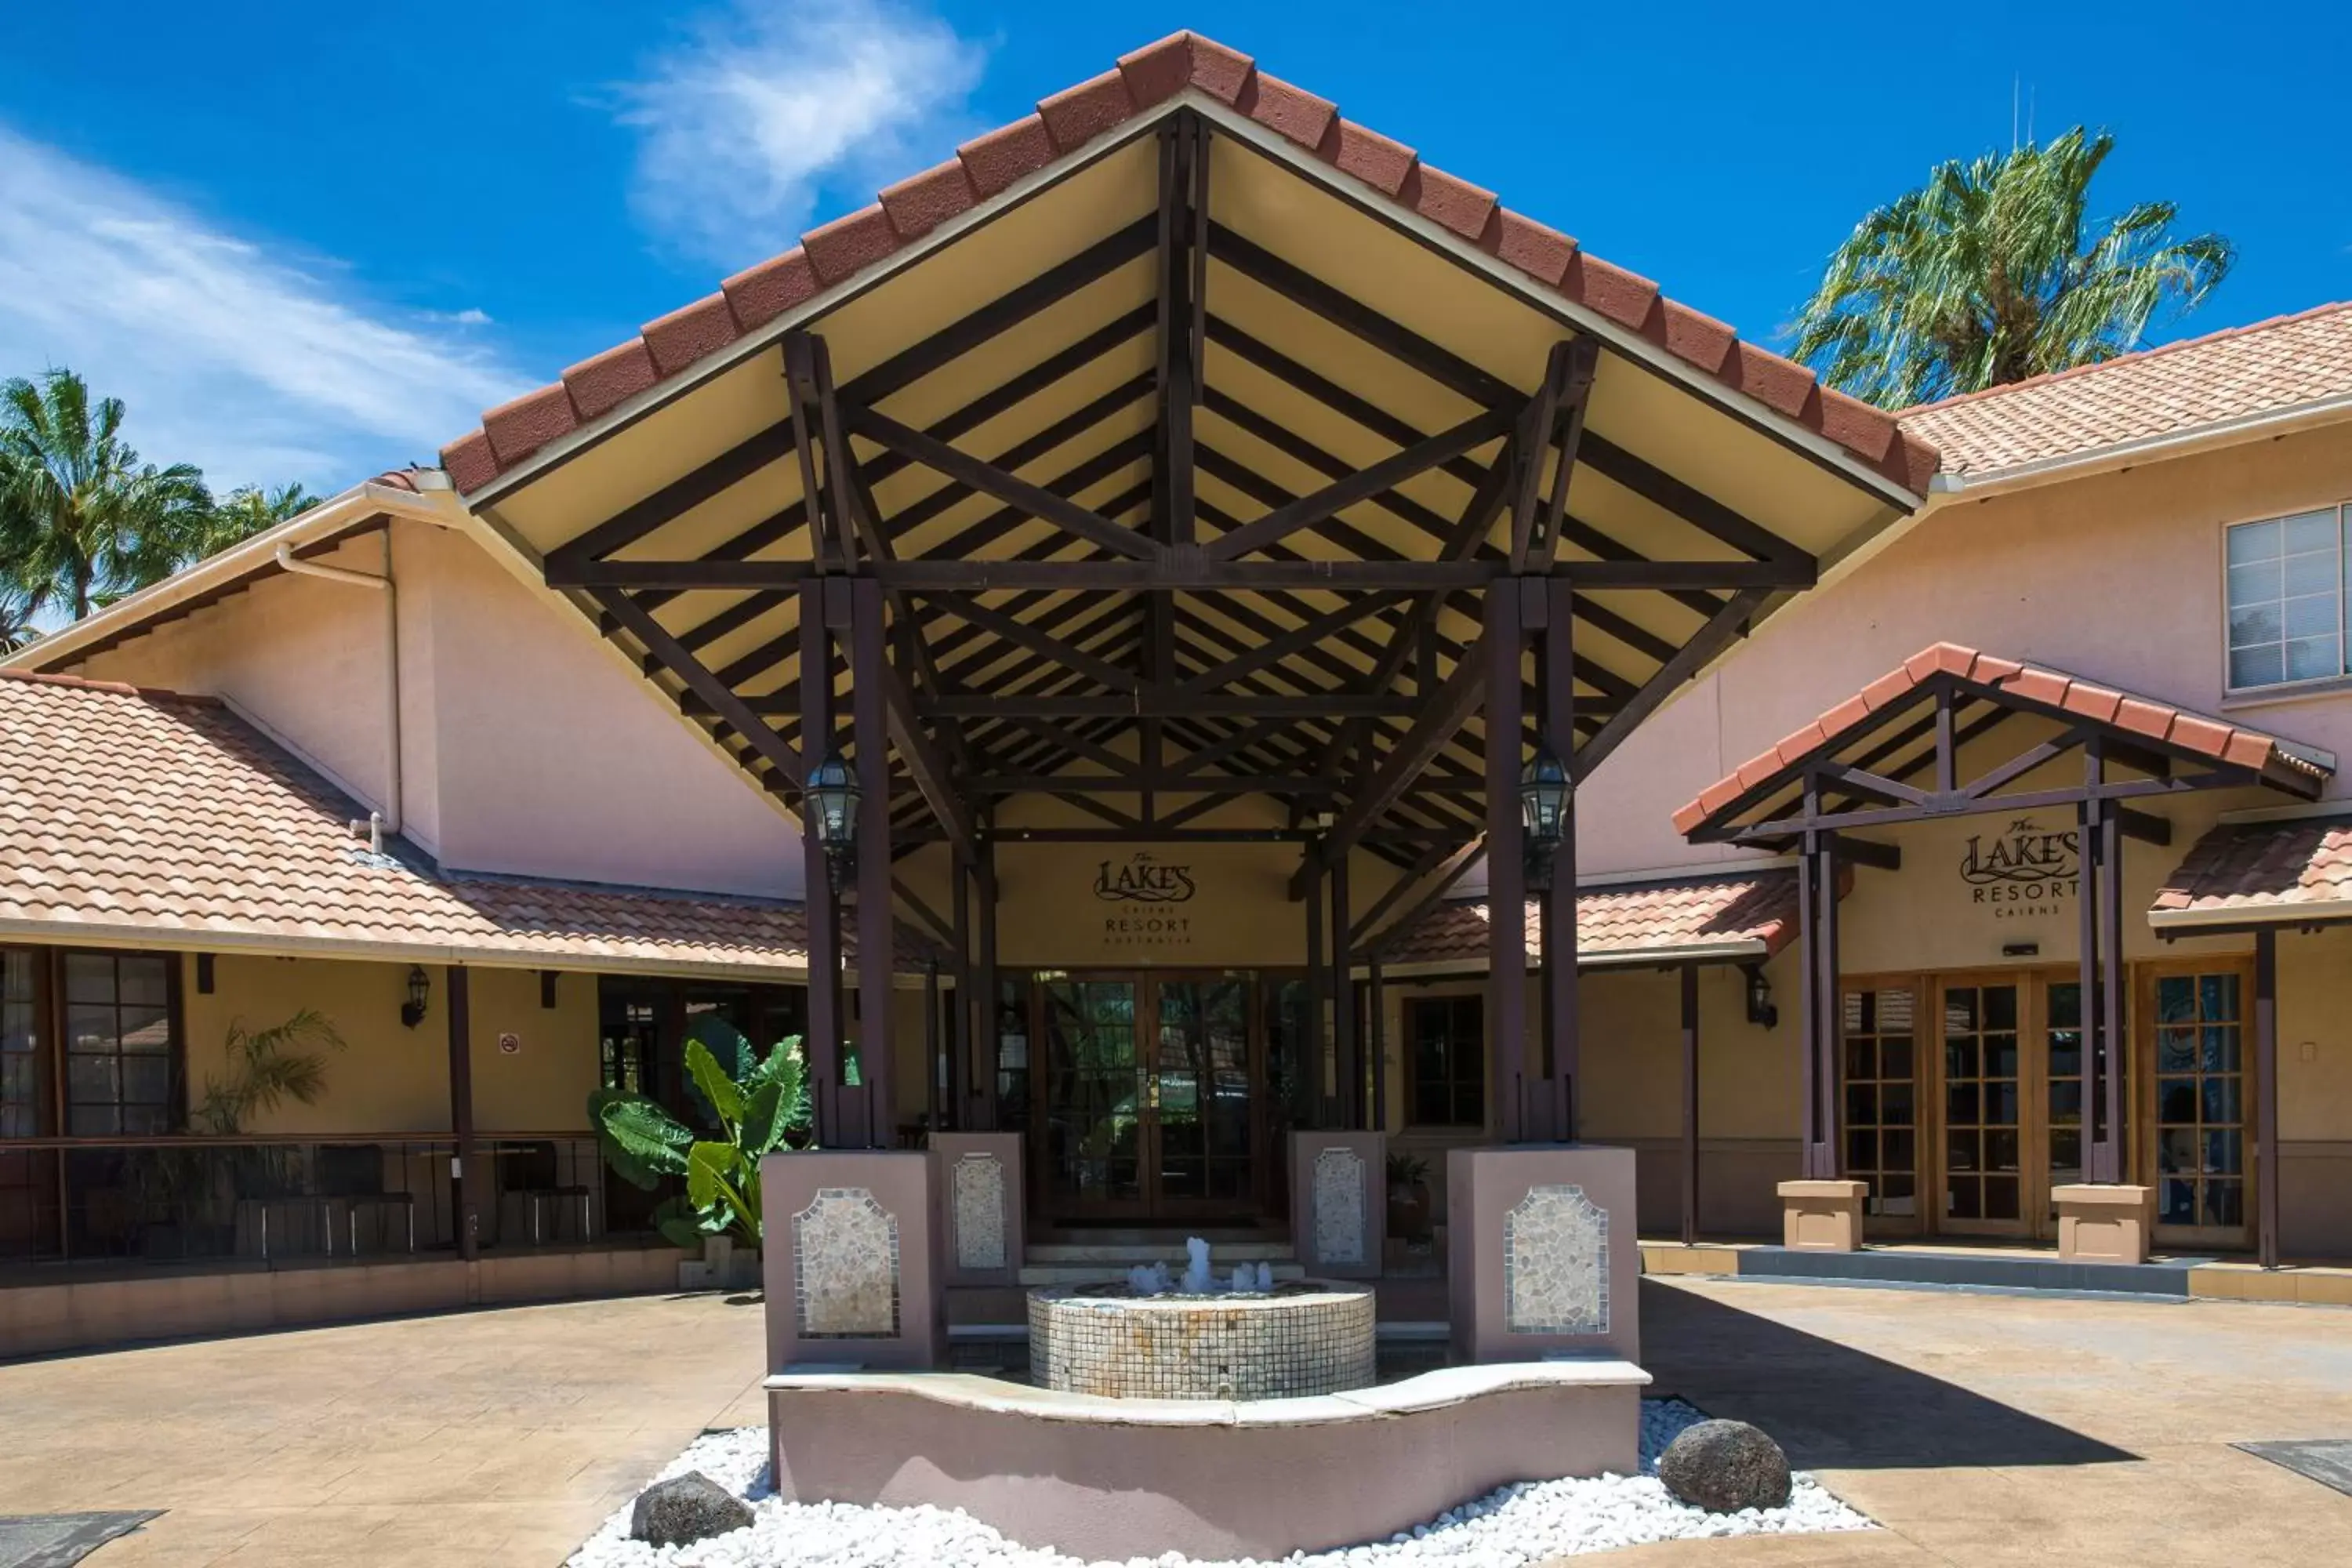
<point>2023,870</point>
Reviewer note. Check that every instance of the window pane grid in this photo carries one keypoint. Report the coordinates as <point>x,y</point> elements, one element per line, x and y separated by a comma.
<point>1447,1038</point>
<point>1983,1163</point>
<point>2286,579</point>
<point>118,1056</point>
<point>2201,1131</point>
<point>1881,1099</point>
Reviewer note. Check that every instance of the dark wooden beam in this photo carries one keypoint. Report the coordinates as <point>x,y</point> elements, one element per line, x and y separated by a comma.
<point>1283,521</point>
<point>721,698</point>
<point>1727,623</point>
<point>1431,730</point>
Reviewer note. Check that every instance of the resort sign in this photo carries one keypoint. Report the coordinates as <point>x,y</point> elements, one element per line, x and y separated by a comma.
<point>1144,892</point>
<point>2022,870</point>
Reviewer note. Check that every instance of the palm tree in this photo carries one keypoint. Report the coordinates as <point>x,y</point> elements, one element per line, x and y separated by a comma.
<point>17,631</point>
<point>245,511</point>
<point>82,521</point>
<point>1983,276</point>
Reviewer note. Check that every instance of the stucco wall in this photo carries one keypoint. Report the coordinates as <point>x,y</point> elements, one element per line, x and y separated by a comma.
<point>2117,577</point>
<point>525,748</point>
<point>389,1079</point>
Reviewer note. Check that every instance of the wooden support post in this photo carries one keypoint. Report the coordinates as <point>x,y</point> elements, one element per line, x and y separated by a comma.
<point>2086,838</point>
<point>962,1085</point>
<point>1828,1056</point>
<point>1563,1022</point>
<point>2111,992</point>
<point>1376,1027</point>
<point>465,1186</point>
<point>2266,1097</point>
<point>1319,989</point>
<point>1688,979</point>
<point>935,1066</point>
<point>987,1115</point>
<point>876,926</point>
<point>824,1020</point>
<point>1350,1064</point>
<point>1506,926</point>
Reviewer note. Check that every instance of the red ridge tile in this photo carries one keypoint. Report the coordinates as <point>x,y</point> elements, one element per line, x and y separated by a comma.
<point>2144,717</point>
<point>1368,155</point>
<point>1780,384</point>
<point>1518,240</point>
<point>1692,336</point>
<point>1887,687</point>
<point>2040,686</point>
<point>2096,702</point>
<point>2248,750</point>
<point>677,340</point>
<point>994,162</point>
<point>1625,297</point>
<point>847,245</point>
<point>519,427</point>
<point>1447,201</point>
<point>1866,431</point>
<point>1220,72</point>
<point>758,295</point>
<point>1077,115</point>
<point>600,385</point>
<point>1158,71</point>
<point>919,204</point>
<point>1292,111</point>
<point>2204,735</point>
<point>469,462</point>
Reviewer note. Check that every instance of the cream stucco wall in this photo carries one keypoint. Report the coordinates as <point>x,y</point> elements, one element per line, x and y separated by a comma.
<point>388,1078</point>
<point>525,749</point>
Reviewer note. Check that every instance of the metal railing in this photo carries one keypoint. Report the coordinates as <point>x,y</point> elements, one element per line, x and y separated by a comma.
<point>175,1200</point>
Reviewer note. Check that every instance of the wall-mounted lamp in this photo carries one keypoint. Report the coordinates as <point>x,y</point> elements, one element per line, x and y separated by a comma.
<point>1760,1009</point>
<point>833,797</point>
<point>1543,812</point>
<point>420,991</point>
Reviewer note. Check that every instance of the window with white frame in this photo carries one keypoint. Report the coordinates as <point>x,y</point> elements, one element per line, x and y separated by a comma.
<point>2287,577</point>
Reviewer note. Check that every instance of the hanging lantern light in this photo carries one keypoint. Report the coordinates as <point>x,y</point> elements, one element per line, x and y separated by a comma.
<point>420,992</point>
<point>1543,802</point>
<point>833,798</point>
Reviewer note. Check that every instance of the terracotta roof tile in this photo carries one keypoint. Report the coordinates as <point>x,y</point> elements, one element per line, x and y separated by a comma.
<point>1684,914</point>
<point>2177,727</point>
<point>2267,367</point>
<point>131,809</point>
<point>1143,79</point>
<point>2256,866</point>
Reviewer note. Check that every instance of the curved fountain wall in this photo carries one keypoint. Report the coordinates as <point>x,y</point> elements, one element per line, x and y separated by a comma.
<point>1306,1338</point>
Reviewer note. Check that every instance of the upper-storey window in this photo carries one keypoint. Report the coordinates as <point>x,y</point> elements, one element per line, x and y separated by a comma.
<point>2287,598</point>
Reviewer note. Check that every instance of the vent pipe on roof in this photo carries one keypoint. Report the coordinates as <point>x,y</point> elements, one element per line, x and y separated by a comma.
<point>388,819</point>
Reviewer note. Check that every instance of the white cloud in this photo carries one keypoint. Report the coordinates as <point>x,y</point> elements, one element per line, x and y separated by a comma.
<point>253,365</point>
<point>774,103</point>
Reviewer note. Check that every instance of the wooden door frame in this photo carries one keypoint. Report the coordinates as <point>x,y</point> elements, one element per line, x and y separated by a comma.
<point>1922,1092</point>
<point>2140,1095</point>
<point>1149,1208</point>
<point>2033,1111</point>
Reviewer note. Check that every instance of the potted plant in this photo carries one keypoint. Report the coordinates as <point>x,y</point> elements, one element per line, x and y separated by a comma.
<point>758,1103</point>
<point>1408,1197</point>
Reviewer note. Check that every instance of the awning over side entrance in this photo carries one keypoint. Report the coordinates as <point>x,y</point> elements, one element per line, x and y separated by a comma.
<point>1712,919</point>
<point>2287,873</point>
<point>135,817</point>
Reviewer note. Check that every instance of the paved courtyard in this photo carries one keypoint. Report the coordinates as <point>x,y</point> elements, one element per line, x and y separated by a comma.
<point>1981,1429</point>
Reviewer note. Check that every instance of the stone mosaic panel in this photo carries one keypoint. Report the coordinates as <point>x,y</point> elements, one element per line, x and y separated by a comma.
<point>1339,1205</point>
<point>977,1192</point>
<point>845,1267</point>
<point>1556,1264</point>
<point>1302,1340</point>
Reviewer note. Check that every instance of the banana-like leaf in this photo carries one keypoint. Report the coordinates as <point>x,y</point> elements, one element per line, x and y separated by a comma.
<point>715,1086</point>
<point>680,1225</point>
<point>640,1140</point>
<point>786,1066</point>
<point>713,1173</point>
<point>764,1124</point>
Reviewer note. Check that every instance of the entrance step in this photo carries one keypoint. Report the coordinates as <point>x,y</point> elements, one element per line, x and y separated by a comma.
<point>1096,1273</point>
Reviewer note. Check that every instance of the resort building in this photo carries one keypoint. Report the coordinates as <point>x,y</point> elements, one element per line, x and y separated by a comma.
<point>1090,642</point>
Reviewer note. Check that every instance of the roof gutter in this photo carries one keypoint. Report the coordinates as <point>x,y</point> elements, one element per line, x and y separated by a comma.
<point>2270,426</point>
<point>436,504</point>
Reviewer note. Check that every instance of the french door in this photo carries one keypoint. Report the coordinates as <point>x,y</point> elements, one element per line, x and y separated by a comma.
<point>1148,1102</point>
<point>2195,1103</point>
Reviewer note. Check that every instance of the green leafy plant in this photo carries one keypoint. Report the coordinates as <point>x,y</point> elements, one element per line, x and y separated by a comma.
<point>266,1068</point>
<point>757,1105</point>
<point>1404,1169</point>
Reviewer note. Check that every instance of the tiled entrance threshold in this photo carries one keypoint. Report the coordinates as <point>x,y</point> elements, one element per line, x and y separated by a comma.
<point>2007,1267</point>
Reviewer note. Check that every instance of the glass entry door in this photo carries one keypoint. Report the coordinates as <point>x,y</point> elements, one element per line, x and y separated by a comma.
<point>1148,1101</point>
<point>1987,1042</point>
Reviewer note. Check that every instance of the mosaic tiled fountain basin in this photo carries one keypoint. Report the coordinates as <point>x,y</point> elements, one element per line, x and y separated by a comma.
<point>1303,1337</point>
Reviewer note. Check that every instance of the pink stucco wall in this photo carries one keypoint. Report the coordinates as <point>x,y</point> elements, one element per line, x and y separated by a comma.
<point>525,748</point>
<point>2117,577</point>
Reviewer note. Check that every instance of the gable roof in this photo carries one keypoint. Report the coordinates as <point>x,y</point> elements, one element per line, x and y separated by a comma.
<point>2261,872</point>
<point>2006,683</point>
<point>1744,916</point>
<point>987,167</point>
<point>2257,372</point>
<point>134,815</point>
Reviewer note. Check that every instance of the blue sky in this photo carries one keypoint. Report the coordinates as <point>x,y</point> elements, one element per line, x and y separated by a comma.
<point>309,242</point>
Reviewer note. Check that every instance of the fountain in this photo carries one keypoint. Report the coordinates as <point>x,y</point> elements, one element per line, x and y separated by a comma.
<point>1199,1337</point>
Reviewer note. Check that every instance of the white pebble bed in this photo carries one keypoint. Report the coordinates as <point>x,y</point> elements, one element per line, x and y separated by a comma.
<point>1530,1522</point>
